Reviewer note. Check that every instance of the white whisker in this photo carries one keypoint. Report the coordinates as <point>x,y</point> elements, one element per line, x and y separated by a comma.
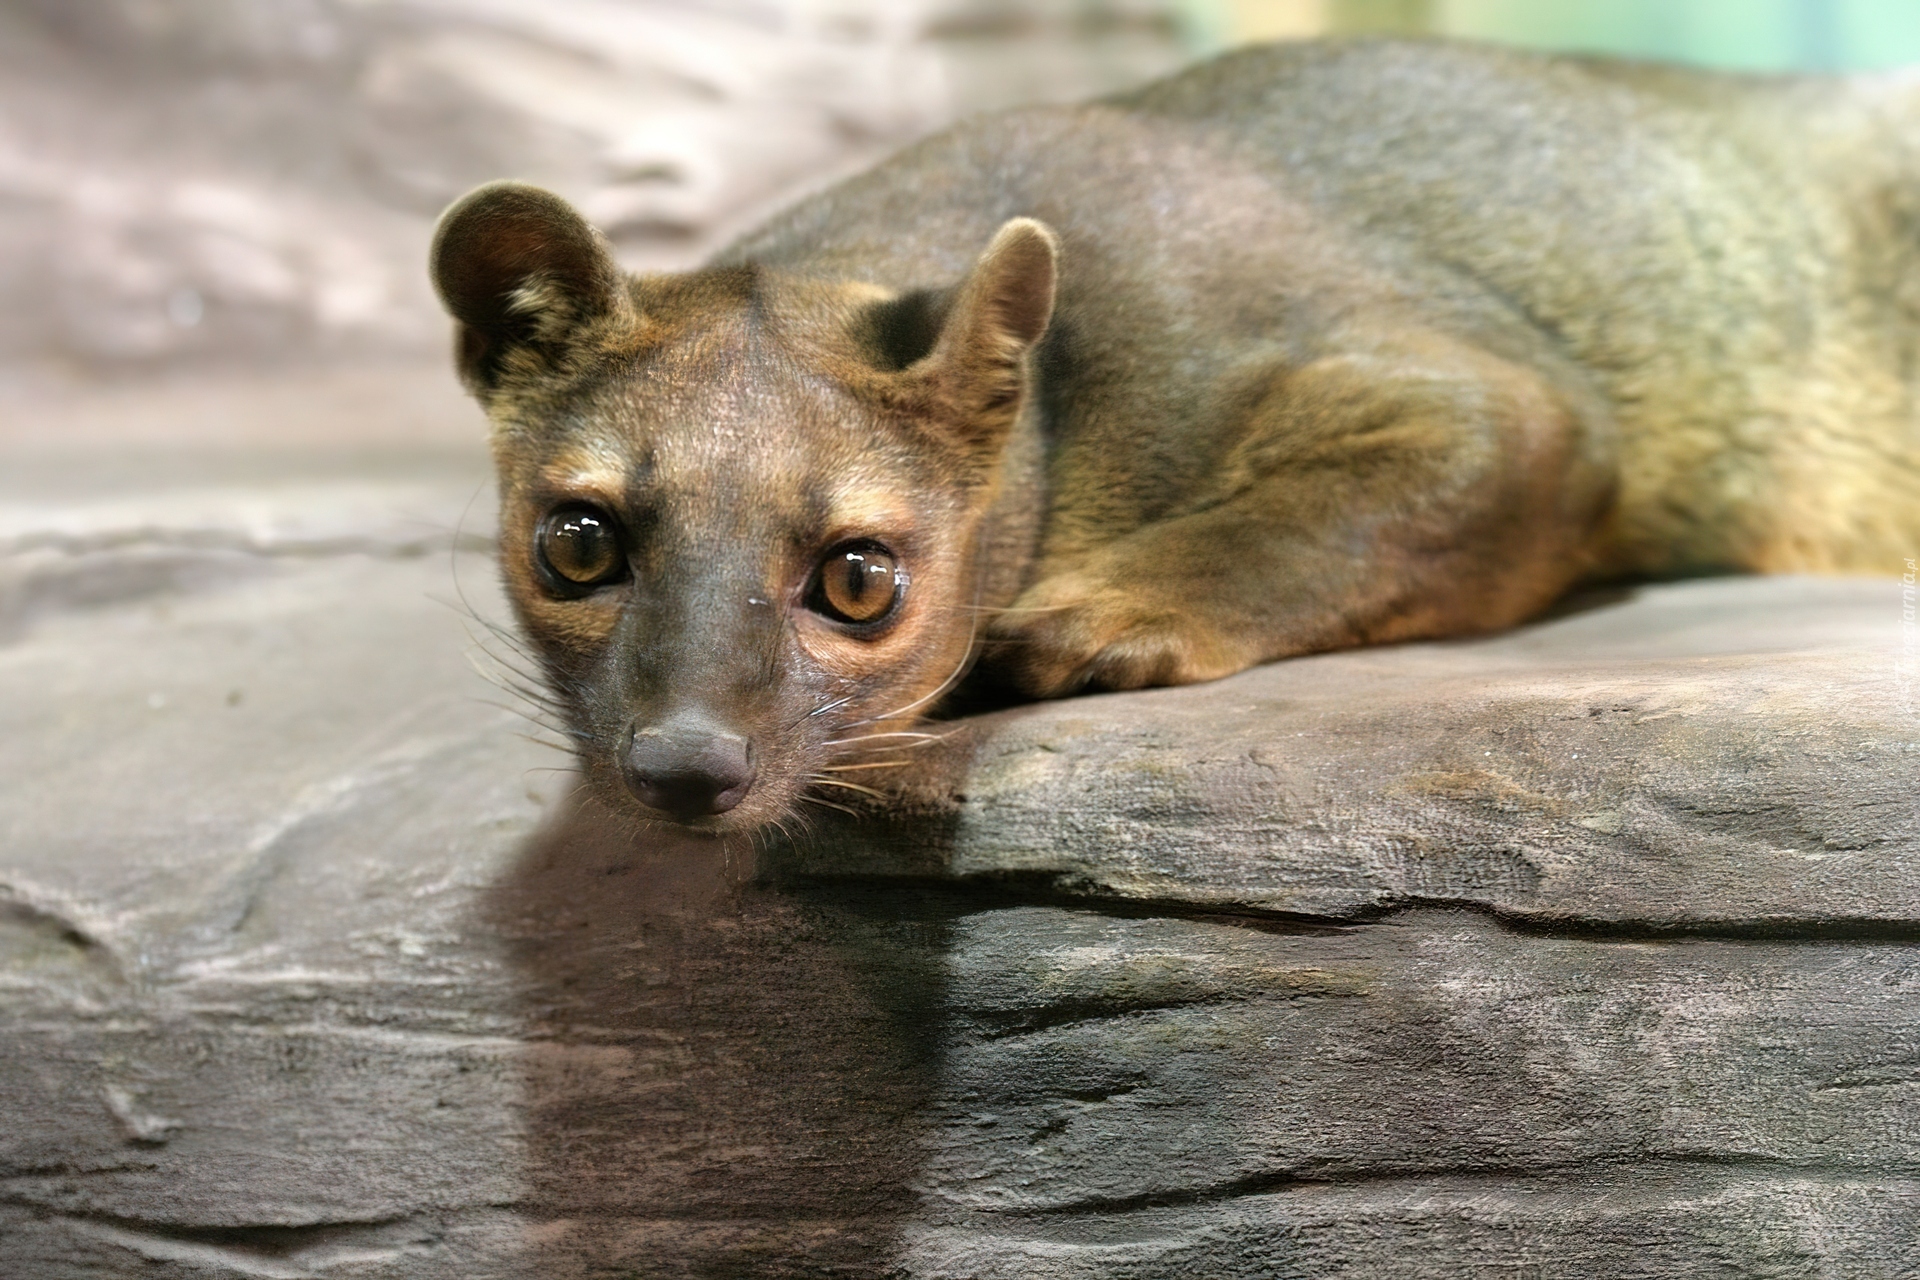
<point>561,747</point>
<point>898,733</point>
<point>915,742</point>
<point>850,812</point>
<point>850,786</point>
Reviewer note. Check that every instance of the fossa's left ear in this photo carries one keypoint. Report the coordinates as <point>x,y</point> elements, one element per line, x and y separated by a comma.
<point>526,278</point>
<point>999,314</point>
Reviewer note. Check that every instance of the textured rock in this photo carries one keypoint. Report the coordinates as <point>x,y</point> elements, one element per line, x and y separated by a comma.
<point>1736,753</point>
<point>1248,1061</point>
<point>1601,1222</point>
<point>1392,963</point>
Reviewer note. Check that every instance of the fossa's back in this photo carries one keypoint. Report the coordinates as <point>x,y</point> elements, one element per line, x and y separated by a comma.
<point>1720,273</point>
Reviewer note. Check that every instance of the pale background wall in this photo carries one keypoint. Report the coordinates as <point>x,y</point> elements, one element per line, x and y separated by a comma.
<point>195,181</point>
<point>220,179</point>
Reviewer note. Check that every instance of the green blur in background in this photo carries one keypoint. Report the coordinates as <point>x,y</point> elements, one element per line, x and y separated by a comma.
<point>1808,35</point>
<point>1760,35</point>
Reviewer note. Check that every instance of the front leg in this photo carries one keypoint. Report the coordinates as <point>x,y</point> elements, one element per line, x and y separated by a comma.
<point>1369,498</point>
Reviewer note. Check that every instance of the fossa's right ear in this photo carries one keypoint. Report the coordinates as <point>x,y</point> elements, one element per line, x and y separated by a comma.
<point>526,279</point>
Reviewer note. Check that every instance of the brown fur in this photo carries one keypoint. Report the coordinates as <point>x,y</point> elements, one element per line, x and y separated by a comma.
<point>1343,343</point>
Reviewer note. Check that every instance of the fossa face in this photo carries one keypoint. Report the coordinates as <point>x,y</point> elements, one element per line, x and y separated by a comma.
<point>741,514</point>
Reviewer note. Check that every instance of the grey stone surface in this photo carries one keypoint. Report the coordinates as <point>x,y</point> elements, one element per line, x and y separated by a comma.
<point>1586,950</point>
<point>1731,752</point>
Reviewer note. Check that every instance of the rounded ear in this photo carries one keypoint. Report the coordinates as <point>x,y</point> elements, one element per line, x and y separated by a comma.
<point>1000,312</point>
<point>522,273</point>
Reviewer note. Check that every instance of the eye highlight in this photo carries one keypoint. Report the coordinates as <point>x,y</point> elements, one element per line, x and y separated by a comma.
<point>579,547</point>
<point>859,583</point>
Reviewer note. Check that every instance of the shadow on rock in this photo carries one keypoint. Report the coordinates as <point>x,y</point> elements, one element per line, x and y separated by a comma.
<point>724,1076</point>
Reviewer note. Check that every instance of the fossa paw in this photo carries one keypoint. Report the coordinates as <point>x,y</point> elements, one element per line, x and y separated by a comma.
<point>1068,635</point>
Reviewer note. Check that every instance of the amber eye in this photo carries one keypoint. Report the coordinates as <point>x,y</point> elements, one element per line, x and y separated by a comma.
<point>580,547</point>
<point>858,582</point>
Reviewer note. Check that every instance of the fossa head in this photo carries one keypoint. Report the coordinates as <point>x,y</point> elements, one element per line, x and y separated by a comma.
<point>742,512</point>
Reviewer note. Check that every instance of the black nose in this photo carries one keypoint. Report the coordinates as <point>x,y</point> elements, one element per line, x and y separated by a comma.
<point>688,770</point>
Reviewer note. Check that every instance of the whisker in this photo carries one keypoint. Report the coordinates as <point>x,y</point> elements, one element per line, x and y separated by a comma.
<point>525,693</point>
<point>850,812</point>
<point>894,733</point>
<point>505,635</point>
<point>801,820</point>
<point>478,645</point>
<point>920,740</point>
<point>539,705</point>
<point>549,694</point>
<point>532,690</point>
<point>953,678</point>
<point>873,764</point>
<point>465,604</point>
<point>998,609</point>
<point>821,710</point>
<point>533,686</point>
<point>850,786</point>
<point>529,717</point>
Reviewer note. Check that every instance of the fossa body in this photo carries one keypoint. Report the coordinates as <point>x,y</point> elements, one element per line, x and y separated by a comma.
<point>1312,346</point>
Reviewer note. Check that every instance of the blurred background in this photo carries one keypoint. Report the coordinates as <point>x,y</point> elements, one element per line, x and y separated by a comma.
<point>200,183</point>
